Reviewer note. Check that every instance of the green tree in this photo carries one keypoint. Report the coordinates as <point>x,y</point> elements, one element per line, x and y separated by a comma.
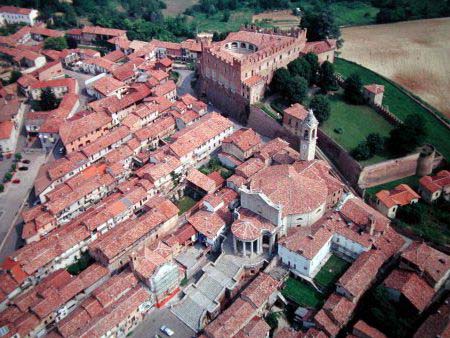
<point>300,67</point>
<point>8,176</point>
<point>321,24</point>
<point>48,100</point>
<point>361,152</point>
<point>58,43</point>
<point>18,156</point>
<point>353,89</point>
<point>313,61</point>
<point>321,107</point>
<point>279,80</point>
<point>272,320</point>
<point>15,75</point>
<point>411,214</point>
<point>375,143</point>
<point>2,187</point>
<point>408,136</point>
<point>327,79</point>
<point>296,89</point>
<point>226,16</point>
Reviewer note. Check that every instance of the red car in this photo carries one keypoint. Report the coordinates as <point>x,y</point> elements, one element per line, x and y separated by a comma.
<point>16,181</point>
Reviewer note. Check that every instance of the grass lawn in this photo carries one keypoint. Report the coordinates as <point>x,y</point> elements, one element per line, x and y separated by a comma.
<point>356,122</point>
<point>184,204</point>
<point>330,272</point>
<point>302,293</point>
<point>400,104</point>
<point>347,13</point>
<point>214,23</point>
<point>215,165</point>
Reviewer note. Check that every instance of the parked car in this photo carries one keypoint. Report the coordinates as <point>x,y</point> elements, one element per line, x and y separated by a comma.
<point>16,181</point>
<point>167,331</point>
<point>26,161</point>
<point>23,168</point>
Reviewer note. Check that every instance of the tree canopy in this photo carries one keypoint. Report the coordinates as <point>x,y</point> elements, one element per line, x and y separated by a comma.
<point>321,24</point>
<point>353,89</point>
<point>407,136</point>
<point>321,107</point>
<point>58,43</point>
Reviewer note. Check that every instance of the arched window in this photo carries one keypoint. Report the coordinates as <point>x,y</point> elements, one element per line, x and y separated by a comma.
<point>305,135</point>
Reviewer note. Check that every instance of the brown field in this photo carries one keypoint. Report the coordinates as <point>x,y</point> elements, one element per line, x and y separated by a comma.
<point>175,7</point>
<point>281,19</point>
<point>414,54</point>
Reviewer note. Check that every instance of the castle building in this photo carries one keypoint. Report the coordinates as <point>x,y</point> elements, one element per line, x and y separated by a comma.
<point>239,68</point>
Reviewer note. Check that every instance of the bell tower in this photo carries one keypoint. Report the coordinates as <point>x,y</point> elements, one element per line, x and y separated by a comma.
<point>308,137</point>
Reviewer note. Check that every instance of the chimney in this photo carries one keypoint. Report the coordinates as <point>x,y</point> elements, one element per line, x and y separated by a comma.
<point>371,224</point>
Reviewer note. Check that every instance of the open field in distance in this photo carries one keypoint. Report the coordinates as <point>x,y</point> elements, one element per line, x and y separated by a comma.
<point>413,54</point>
<point>282,19</point>
<point>175,7</point>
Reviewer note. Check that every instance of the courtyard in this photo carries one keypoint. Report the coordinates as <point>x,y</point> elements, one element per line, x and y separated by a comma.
<point>330,272</point>
<point>302,294</point>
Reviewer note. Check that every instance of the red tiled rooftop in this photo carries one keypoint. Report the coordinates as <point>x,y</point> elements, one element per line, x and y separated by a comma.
<point>401,195</point>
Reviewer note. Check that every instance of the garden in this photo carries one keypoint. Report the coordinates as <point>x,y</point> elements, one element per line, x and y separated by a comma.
<point>333,269</point>
<point>428,221</point>
<point>184,204</point>
<point>81,264</point>
<point>302,294</point>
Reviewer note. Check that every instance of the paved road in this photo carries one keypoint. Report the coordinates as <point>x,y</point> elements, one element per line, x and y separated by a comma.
<point>80,77</point>
<point>11,201</point>
<point>159,317</point>
<point>184,82</point>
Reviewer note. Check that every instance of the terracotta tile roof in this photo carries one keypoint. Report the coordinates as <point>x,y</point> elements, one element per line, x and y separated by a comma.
<point>260,289</point>
<point>207,223</point>
<point>244,139</point>
<point>157,129</point>
<point>374,88</point>
<point>107,85</point>
<point>115,55</point>
<point>250,168</point>
<point>362,328</point>
<point>282,184</point>
<point>324,322</point>
<point>250,226</point>
<point>229,322</point>
<point>69,83</point>
<point>433,263</point>
<point>112,104</point>
<point>319,47</point>
<point>297,110</point>
<point>414,288</point>
<point>106,64</point>
<point>74,129</point>
<point>357,211</point>
<point>358,278</point>
<point>253,80</point>
<point>437,182</point>
<point>181,235</point>
<point>164,89</point>
<point>46,32</point>
<point>105,141</point>
<point>200,132</point>
<point>306,244</point>
<point>401,195</point>
<point>15,10</point>
<point>201,180</point>
<point>127,70</point>
<point>257,327</point>
<point>437,324</point>
<point>97,30</point>
<point>217,178</point>
<point>339,309</point>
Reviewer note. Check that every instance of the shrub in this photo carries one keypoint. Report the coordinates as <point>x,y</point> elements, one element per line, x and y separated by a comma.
<point>353,89</point>
<point>375,143</point>
<point>2,188</point>
<point>361,152</point>
<point>321,107</point>
<point>18,156</point>
<point>7,177</point>
<point>412,214</point>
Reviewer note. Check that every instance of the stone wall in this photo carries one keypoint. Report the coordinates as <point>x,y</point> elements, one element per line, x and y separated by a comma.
<point>263,124</point>
<point>348,166</point>
<point>233,104</point>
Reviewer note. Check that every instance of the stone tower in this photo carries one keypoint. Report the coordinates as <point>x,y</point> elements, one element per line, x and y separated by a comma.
<point>308,137</point>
